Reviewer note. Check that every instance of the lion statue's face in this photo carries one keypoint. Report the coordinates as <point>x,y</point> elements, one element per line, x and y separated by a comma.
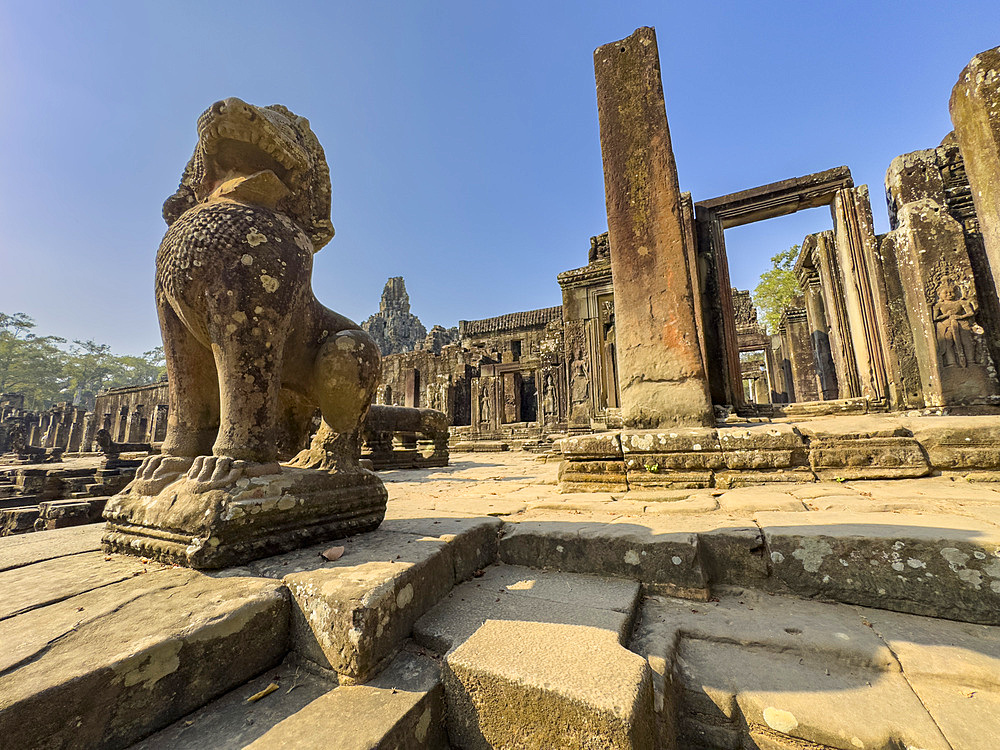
<point>239,140</point>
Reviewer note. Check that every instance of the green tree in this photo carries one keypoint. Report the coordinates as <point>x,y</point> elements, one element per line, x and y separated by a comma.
<point>90,367</point>
<point>777,288</point>
<point>149,367</point>
<point>41,369</point>
<point>30,364</point>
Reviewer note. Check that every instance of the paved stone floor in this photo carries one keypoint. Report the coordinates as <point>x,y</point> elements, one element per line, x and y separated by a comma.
<point>791,617</point>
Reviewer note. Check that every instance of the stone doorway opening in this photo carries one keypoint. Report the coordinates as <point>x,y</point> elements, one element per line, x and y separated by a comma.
<point>830,345</point>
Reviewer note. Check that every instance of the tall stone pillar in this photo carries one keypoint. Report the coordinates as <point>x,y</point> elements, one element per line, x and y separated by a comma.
<point>796,342</point>
<point>819,334</point>
<point>832,285</point>
<point>511,397</point>
<point>865,303</point>
<point>975,113</point>
<point>661,371</point>
<point>411,396</point>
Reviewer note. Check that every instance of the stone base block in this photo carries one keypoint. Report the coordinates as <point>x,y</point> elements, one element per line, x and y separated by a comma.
<point>223,512</point>
<point>766,458</point>
<point>592,476</point>
<point>18,520</point>
<point>649,477</point>
<point>679,461</point>
<point>506,686</point>
<point>731,479</point>
<point>872,458</point>
<point>480,446</point>
<point>936,565</point>
<point>598,445</point>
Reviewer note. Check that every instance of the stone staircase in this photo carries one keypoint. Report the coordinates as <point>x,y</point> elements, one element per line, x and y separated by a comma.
<point>552,629</point>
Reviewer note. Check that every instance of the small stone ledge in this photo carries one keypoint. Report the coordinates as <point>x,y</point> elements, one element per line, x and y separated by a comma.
<point>352,614</point>
<point>507,687</point>
<point>938,565</point>
<point>840,448</point>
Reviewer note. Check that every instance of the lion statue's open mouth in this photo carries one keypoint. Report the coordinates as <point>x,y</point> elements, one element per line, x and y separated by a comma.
<point>271,148</point>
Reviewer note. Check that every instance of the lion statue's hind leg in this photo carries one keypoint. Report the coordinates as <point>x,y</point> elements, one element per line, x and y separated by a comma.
<point>345,375</point>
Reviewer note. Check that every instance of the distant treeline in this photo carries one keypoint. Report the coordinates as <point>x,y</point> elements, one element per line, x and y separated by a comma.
<point>47,370</point>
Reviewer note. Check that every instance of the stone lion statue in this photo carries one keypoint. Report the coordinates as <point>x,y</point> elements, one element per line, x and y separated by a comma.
<point>251,355</point>
<point>250,352</point>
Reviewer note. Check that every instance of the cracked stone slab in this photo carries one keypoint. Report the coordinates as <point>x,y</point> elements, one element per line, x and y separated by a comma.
<point>106,667</point>
<point>751,500</point>
<point>931,564</point>
<point>506,686</point>
<point>954,667</point>
<point>785,698</point>
<point>514,593</point>
<point>33,586</point>
<point>352,614</point>
<point>28,549</point>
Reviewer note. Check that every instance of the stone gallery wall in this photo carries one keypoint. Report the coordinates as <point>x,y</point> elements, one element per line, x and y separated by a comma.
<point>132,415</point>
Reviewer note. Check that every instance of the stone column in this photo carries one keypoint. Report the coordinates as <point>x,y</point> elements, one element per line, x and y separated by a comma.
<point>158,430</point>
<point>661,372</point>
<point>511,397</point>
<point>819,334</point>
<point>76,430</point>
<point>89,428</point>
<point>412,395</point>
<point>798,350</point>
<point>832,284</point>
<point>975,113</point>
<point>866,309</point>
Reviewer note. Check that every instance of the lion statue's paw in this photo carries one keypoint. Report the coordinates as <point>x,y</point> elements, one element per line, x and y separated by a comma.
<point>156,472</point>
<point>217,472</point>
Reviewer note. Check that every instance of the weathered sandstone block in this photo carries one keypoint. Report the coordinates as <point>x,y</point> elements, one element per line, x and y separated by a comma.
<point>661,371</point>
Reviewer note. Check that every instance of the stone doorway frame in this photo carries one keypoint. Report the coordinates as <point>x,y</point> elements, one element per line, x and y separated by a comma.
<point>855,271</point>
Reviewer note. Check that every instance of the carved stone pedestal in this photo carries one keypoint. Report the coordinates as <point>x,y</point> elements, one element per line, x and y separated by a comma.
<point>214,512</point>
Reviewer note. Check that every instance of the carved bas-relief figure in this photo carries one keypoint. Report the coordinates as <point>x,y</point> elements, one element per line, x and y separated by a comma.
<point>485,414</point>
<point>251,354</point>
<point>956,328</point>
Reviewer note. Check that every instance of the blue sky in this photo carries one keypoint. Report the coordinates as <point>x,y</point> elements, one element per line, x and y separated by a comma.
<point>462,136</point>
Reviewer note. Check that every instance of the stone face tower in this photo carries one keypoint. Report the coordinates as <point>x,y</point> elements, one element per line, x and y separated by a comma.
<point>394,328</point>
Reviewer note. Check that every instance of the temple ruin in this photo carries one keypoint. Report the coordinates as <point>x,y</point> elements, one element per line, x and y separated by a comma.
<point>717,537</point>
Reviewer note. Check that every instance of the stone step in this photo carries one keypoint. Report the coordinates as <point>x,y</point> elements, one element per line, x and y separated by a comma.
<point>535,660</point>
<point>99,652</point>
<point>18,501</point>
<point>750,669</point>
<point>352,614</point>
<point>18,520</point>
<point>401,708</point>
<point>931,564</point>
<point>511,592</point>
<point>20,551</point>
